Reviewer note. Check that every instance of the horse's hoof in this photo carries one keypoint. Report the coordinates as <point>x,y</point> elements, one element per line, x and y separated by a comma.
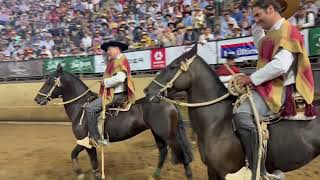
<point>151,178</point>
<point>81,176</point>
<point>156,174</point>
<point>97,176</point>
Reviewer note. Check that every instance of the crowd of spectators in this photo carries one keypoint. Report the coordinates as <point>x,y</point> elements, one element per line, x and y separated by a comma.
<point>35,29</point>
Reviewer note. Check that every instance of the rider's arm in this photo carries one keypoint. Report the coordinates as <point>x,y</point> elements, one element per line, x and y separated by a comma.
<point>279,65</point>
<point>257,34</point>
<point>115,80</point>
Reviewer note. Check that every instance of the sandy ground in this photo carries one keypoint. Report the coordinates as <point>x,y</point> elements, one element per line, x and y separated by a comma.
<point>42,152</point>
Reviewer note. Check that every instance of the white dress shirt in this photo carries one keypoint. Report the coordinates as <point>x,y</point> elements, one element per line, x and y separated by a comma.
<point>282,63</point>
<point>116,81</point>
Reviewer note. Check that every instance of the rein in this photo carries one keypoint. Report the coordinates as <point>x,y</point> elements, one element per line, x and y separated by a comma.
<point>184,67</point>
<point>57,83</point>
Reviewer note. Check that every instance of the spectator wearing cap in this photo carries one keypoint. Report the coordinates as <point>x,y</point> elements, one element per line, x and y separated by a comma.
<point>48,42</point>
<point>97,40</point>
<point>311,7</point>
<point>203,4</point>
<point>226,20</point>
<point>187,18</point>
<point>206,36</point>
<point>190,37</point>
<point>152,33</point>
<point>146,39</point>
<point>209,10</point>
<point>198,19</point>
<point>229,32</point>
<point>159,22</point>
<point>118,6</point>
<point>167,19</point>
<point>236,31</point>
<point>141,8</point>
<point>179,33</point>
<point>303,19</point>
<point>137,34</point>
<point>78,6</point>
<point>121,35</point>
<point>87,40</point>
<point>29,54</point>
<point>246,17</point>
<point>167,38</point>
<point>237,14</point>
<point>228,69</point>
<point>45,53</point>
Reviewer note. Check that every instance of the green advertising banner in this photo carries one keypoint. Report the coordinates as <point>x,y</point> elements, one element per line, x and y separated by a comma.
<point>314,41</point>
<point>72,64</point>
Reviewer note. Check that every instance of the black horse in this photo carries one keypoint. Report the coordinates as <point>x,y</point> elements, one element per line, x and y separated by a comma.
<point>163,119</point>
<point>292,143</point>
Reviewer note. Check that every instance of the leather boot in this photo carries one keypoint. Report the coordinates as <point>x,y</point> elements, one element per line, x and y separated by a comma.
<point>92,119</point>
<point>248,134</point>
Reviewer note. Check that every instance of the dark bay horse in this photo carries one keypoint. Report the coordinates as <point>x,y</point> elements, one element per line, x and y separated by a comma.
<point>292,143</point>
<point>163,119</point>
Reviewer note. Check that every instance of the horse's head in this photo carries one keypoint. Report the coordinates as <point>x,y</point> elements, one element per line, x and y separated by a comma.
<point>51,88</point>
<point>173,78</point>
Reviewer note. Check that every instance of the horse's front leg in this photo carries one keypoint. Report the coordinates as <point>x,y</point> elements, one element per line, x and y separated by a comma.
<point>94,162</point>
<point>74,157</point>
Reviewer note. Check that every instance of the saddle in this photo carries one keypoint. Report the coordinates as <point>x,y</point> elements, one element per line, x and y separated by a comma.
<point>121,105</point>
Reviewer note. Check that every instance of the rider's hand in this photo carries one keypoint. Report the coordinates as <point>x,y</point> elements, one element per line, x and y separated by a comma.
<point>244,80</point>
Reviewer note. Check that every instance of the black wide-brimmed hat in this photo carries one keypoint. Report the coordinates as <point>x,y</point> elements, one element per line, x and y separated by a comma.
<point>108,44</point>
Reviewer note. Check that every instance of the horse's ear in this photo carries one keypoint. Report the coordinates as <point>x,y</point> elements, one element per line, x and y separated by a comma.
<point>193,51</point>
<point>59,70</point>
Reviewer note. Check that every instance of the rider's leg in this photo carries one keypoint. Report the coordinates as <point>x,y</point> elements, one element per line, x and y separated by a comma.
<point>249,138</point>
<point>245,124</point>
<point>92,111</point>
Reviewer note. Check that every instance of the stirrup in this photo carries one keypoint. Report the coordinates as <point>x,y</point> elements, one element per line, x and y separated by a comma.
<point>85,142</point>
<point>269,176</point>
<point>244,174</point>
<point>103,142</point>
<point>94,143</point>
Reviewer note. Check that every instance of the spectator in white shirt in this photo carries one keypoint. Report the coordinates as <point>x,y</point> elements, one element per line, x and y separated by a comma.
<point>303,18</point>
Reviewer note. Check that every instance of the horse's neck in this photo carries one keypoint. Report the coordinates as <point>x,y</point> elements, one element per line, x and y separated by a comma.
<point>74,88</point>
<point>205,87</point>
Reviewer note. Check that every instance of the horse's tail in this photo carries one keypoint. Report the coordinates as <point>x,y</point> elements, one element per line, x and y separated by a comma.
<point>183,152</point>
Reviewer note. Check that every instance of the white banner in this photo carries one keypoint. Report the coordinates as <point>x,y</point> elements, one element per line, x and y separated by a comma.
<point>138,60</point>
<point>208,52</point>
<point>99,65</point>
<point>243,47</point>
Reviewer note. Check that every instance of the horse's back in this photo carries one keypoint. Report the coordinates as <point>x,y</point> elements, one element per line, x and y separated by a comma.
<point>292,142</point>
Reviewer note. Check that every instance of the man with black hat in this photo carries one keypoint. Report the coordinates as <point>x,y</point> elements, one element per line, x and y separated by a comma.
<point>116,88</point>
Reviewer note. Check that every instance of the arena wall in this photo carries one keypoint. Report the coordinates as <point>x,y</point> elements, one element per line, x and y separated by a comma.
<point>17,101</point>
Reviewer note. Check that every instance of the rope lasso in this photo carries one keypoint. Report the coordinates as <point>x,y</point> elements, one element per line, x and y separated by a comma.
<point>246,92</point>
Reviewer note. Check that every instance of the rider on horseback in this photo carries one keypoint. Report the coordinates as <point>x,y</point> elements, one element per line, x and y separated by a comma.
<point>283,66</point>
<point>116,88</point>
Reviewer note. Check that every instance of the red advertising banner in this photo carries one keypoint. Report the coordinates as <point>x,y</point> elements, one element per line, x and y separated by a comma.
<point>158,58</point>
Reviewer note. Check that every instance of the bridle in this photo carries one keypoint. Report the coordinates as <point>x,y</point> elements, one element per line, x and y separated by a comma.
<point>184,67</point>
<point>57,83</point>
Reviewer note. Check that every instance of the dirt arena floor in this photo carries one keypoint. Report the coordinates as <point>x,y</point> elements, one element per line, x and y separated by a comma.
<point>42,152</point>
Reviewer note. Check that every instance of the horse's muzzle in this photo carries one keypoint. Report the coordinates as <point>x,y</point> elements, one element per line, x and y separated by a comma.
<point>41,101</point>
